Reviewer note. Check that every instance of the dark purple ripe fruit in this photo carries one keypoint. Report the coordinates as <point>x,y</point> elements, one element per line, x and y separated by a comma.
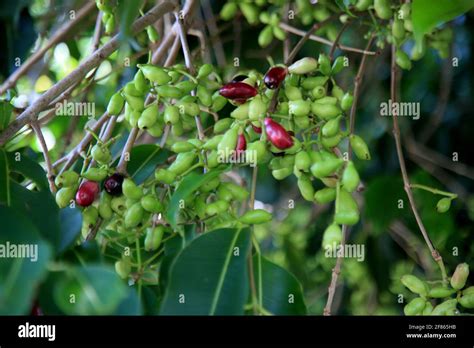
<point>274,76</point>
<point>239,78</point>
<point>238,91</point>
<point>113,184</point>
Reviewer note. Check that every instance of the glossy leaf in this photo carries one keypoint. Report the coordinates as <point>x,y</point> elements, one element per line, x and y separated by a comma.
<point>70,221</point>
<point>211,274</point>
<point>29,169</point>
<point>143,161</point>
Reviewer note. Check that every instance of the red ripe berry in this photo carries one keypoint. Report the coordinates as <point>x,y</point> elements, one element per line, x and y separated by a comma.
<point>256,129</point>
<point>277,135</point>
<point>240,91</point>
<point>241,144</point>
<point>36,309</point>
<point>275,76</point>
<point>113,184</point>
<point>87,193</point>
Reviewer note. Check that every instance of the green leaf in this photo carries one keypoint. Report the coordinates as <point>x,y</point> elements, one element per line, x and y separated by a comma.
<point>211,273</point>
<point>187,186</point>
<point>281,292</point>
<point>29,169</point>
<point>42,210</point>
<point>97,289</point>
<point>20,276</point>
<point>5,194</point>
<point>70,222</point>
<point>127,12</point>
<point>5,114</point>
<point>382,198</point>
<point>144,159</point>
<point>130,305</point>
<point>426,15</point>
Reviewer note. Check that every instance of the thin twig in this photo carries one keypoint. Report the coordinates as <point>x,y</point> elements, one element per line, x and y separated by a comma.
<point>319,39</point>
<point>214,32</point>
<point>338,37</point>
<point>47,159</point>
<point>406,181</point>
<point>58,36</point>
<point>80,72</point>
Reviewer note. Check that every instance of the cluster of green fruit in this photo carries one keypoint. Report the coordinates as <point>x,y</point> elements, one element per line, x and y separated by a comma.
<point>423,305</point>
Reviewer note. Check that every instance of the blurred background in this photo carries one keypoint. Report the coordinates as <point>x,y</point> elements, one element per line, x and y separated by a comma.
<point>393,244</point>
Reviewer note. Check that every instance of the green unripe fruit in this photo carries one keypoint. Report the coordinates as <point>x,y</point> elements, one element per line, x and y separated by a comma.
<point>415,285</point>
<point>228,11</point>
<point>134,215</point>
<point>223,193</point>
<point>118,204</point>
<point>239,193</point>
<point>148,117</point>
<point>467,301</point>
<point>346,101</point>
<point>350,177</point>
<point>141,84</point>
<point>415,306</point>
<point>302,161</point>
<point>303,66</point>
<point>105,208</point>
<point>347,211</point>
<point>459,278</point>
<point>337,92</point>
<point>282,173</point>
<point>330,142</point>
<point>443,205</point>
<point>153,238</point>
<point>156,130</point>
<point>65,196</point>
<point>212,143</point>
<point>182,146</point>
<point>319,92</point>
<point>110,25</point>
<point>95,174</point>
<point>210,185</point>
<point>116,104</point>
<point>134,117</point>
<point>222,125</point>
<point>131,190</point>
<point>428,308</point>
<point>326,167</point>
<point>130,89</point>
<point>363,5</point>
<point>402,60</point>
<point>299,108</point>
<point>123,269</point>
<point>255,217</point>
<point>441,292</point>
<point>200,206</point>
<point>182,163</point>
<point>405,10</point>
<point>151,204</point>
<point>325,195</point>
<point>338,65</point>
<point>169,92</point>
<point>66,179</point>
<point>398,30</point>
<point>382,9</point>
<point>204,95</point>
<point>228,142</point>
<point>468,291</point>
<point>324,64</point>
<point>171,114</point>
<point>325,111</point>
<point>89,216</point>
<point>331,127</point>
<point>279,33</point>
<point>327,100</point>
<point>155,74</point>
<point>250,12</point>
<point>302,123</point>
<point>241,112</point>
<point>136,103</point>
<point>101,154</point>
<point>257,108</point>
<point>443,307</point>
<point>314,81</point>
<point>205,70</point>
<point>306,188</point>
<point>293,93</point>
<point>165,176</point>
<point>418,50</point>
<point>186,86</point>
<point>152,33</point>
<point>216,207</point>
<point>332,236</point>
<point>260,150</point>
<point>359,147</point>
<point>212,159</point>
<point>266,36</point>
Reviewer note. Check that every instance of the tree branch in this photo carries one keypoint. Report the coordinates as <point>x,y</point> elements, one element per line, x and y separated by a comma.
<point>47,160</point>
<point>93,61</point>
